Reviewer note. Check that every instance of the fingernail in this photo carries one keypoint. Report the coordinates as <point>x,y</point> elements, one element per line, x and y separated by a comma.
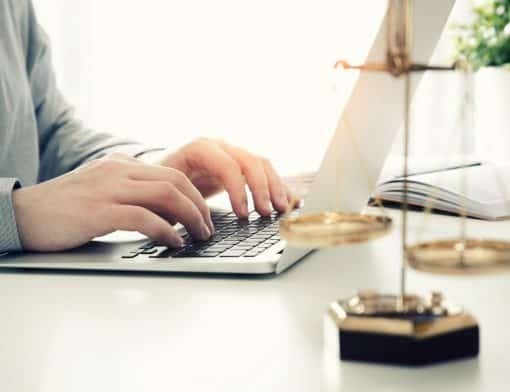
<point>283,202</point>
<point>294,202</point>
<point>210,225</point>
<point>206,233</point>
<point>268,207</point>
<point>177,242</point>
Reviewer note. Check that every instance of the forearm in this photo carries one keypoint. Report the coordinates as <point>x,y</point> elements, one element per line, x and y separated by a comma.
<point>9,236</point>
<point>69,145</point>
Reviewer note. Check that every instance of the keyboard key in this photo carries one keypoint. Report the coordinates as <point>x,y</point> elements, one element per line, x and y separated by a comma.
<point>245,245</point>
<point>187,253</point>
<point>243,251</point>
<point>147,246</point>
<point>252,253</point>
<point>166,253</point>
<point>253,241</point>
<point>260,237</point>
<point>239,237</point>
<point>218,248</point>
<point>228,241</point>
<point>265,245</point>
<point>148,251</point>
<point>200,245</point>
<point>158,250</point>
<point>208,254</point>
<point>231,253</point>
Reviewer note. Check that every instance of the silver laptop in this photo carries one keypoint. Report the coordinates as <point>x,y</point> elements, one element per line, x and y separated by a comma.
<point>344,182</point>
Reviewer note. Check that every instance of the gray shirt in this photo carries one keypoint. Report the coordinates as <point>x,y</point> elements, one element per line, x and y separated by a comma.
<point>39,136</point>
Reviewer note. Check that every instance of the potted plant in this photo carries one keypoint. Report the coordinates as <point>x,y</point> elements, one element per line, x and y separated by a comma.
<point>484,43</point>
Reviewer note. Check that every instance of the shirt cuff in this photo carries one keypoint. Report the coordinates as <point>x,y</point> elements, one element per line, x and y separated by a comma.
<point>9,236</point>
<point>148,150</point>
<point>133,150</point>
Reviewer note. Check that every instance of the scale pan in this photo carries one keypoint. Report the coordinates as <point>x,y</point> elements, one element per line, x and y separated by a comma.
<point>333,228</point>
<point>458,257</point>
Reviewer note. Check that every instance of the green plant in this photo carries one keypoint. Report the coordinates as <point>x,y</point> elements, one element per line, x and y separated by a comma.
<point>486,40</point>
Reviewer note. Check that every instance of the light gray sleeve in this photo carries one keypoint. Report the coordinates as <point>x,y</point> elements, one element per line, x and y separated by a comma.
<point>64,142</point>
<point>9,237</point>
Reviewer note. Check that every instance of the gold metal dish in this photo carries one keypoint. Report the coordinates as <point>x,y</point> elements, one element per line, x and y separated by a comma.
<point>460,257</point>
<point>379,314</point>
<point>372,303</point>
<point>333,228</point>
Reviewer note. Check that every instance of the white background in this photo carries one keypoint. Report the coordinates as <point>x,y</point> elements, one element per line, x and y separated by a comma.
<point>256,73</point>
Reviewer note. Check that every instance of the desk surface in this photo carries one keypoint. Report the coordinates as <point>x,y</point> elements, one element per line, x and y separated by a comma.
<point>94,332</point>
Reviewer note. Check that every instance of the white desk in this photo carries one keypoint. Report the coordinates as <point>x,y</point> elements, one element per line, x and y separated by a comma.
<point>93,332</point>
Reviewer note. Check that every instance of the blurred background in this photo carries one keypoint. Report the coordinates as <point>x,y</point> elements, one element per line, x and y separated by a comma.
<point>256,73</point>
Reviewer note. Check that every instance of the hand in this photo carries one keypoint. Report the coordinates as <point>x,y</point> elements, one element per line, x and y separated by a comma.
<point>113,193</point>
<point>213,166</point>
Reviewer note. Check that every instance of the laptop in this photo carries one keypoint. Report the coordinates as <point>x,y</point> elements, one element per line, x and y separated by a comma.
<point>344,182</point>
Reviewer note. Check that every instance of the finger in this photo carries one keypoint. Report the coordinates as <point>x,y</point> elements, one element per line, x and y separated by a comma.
<point>146,172</point>
<point>210,157</point>
<point>294,202</point>
<point>167,201</point>
<point>255,174</point>
<point>293,199</point>
<point>135,218</point>
<point>278,190</point>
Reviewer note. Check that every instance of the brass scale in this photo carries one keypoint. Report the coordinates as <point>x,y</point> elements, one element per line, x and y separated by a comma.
<point>402,329</point>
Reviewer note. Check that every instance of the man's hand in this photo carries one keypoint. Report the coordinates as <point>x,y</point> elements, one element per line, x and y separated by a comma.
<point>213,166</point>
<point>122,193</point>
<point>113,193</point>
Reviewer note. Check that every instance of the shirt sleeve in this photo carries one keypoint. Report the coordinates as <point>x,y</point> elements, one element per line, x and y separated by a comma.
<point>9,236</point>
<point>64,143</point>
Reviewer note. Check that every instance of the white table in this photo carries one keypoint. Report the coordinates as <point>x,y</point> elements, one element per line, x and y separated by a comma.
<point>97,332</point>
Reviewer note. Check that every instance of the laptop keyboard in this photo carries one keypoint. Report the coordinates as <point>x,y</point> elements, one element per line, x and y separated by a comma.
<point>234,237</point>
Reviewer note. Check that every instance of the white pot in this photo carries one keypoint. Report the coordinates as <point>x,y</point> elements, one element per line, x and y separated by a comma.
<point>492,114</point>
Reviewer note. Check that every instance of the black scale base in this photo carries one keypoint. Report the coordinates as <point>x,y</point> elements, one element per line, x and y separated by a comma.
<point>406,350</point>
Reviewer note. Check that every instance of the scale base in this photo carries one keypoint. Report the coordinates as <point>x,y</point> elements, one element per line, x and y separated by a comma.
<point>417,337</point>
<point>408,351</point>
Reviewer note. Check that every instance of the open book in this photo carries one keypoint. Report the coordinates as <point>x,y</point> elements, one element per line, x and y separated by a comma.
<point>481,190</point>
